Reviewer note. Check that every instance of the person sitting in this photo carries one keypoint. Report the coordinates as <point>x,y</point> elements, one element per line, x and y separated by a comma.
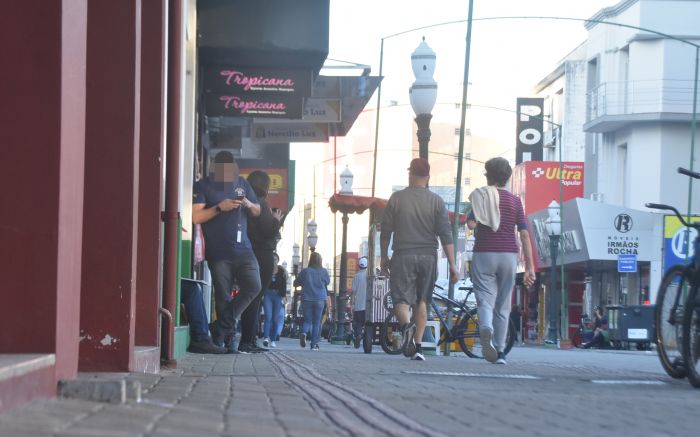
<point>601,336</point>
<point>192,297</point>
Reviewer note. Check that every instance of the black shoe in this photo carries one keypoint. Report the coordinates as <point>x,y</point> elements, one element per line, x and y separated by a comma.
<point>248,348</point>
<point>358,341</point>
<point>205,347</point>
<point>408,344</point>
<point>255,345</point>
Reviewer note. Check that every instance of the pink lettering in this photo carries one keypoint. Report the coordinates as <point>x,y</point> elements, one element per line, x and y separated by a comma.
<point>248,82</point>
<point>244,106</point>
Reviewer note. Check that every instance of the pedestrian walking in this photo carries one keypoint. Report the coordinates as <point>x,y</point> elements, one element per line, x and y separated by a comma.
<point>222,205</point>
<point>263,232</point>
<point>417,218</point>
<point>496,214</point>
<point>273,304</point>
<point>313,281</point>
<point>359,300</point>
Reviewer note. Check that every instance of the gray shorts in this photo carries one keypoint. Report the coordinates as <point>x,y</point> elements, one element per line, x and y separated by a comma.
<point>412,278</point>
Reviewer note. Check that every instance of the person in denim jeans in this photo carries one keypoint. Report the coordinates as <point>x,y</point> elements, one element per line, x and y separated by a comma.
<point>222,205</point>
<point>273,302</point>
<point>314,282</point>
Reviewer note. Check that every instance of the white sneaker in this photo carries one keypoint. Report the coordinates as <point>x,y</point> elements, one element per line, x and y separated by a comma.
<point>266,342</point>
<point>273,344</point>
<point>487,349</point>
<point>418,356</point>
<point>302,339</point>
<point>501,358</point>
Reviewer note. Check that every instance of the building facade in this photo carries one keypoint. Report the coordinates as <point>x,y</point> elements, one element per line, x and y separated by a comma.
<point>624,101</point>
<point>107,115</point>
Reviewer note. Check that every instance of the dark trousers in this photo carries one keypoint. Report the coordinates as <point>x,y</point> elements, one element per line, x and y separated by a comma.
<point>191,295</point>
<point>241,270</point>
<point>358,321</point>
<point>250,317</point>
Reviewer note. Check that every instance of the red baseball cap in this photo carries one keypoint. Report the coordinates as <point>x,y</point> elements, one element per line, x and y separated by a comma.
<point>419,167</point>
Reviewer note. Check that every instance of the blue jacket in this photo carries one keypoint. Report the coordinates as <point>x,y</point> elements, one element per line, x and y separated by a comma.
<point>314,283</point>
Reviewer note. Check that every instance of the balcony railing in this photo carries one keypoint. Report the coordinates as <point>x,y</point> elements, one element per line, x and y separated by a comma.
<point>640,97</point>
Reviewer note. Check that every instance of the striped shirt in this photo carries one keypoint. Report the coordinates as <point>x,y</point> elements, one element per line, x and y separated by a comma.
<point>503,240</point>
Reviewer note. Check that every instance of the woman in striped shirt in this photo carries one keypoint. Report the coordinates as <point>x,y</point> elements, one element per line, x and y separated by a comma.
<point>496,215</point>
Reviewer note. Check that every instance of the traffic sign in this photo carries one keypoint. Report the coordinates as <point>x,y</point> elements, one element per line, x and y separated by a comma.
<point>627,263</point>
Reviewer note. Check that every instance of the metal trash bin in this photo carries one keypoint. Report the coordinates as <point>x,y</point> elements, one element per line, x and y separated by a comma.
<point>631,324</point>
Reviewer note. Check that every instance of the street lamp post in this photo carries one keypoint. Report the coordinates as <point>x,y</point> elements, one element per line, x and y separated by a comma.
<point>312,238</point>
<point>346,178</point>
<point>553,226</point>
<point>423,93</point>
<point>295,259</point>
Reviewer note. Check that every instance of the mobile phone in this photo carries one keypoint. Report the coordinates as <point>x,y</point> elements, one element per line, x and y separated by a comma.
<point>241,197</point>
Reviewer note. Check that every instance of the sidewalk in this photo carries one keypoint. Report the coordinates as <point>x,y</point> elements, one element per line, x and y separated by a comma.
<point>341,391</point>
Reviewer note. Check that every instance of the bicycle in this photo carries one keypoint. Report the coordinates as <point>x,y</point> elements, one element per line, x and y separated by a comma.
<point>465,329</point>
<point>678,320</point>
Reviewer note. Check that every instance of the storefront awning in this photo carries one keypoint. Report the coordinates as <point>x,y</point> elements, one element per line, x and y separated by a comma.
<point>270,33</point>
<point>594,231</point>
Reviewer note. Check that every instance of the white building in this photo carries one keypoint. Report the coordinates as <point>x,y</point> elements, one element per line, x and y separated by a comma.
<point>564,93</point>
<point>624,99</point>
<point>640,95</point>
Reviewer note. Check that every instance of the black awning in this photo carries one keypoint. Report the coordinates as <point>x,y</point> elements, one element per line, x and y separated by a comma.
<point>264,33</point>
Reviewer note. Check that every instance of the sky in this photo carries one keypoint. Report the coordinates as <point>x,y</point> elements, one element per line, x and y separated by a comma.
<point>508,58</point>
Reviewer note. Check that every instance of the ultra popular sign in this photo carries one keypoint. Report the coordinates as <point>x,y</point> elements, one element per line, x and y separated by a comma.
<point>537,183</point>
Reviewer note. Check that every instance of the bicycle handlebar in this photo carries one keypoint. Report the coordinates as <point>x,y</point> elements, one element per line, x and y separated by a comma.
<point>675,211</point>
<point>686,172</point>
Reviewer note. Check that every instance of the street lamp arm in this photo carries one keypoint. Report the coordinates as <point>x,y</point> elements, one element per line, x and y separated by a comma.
<point>423,27</point>
<point>522,17</point>
<point>590,20</point>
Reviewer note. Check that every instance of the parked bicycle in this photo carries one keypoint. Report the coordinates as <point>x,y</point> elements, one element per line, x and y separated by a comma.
<point>465,329</point>
<point>677,313</point>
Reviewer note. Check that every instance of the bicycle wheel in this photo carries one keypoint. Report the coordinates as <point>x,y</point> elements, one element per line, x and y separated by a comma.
<point>368,338</point>
<point>668,317</point>
<point>466,331</point>
<point>390,335</point>
<point>468,335</point>
<point>691,337</point>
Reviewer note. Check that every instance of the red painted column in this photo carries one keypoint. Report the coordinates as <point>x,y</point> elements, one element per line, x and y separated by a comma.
<point>110,220</point>
<point>42,108</point>
<point>152,141</point>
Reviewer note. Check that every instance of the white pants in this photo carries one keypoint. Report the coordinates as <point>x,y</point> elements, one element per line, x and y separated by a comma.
<point>493,276</point>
